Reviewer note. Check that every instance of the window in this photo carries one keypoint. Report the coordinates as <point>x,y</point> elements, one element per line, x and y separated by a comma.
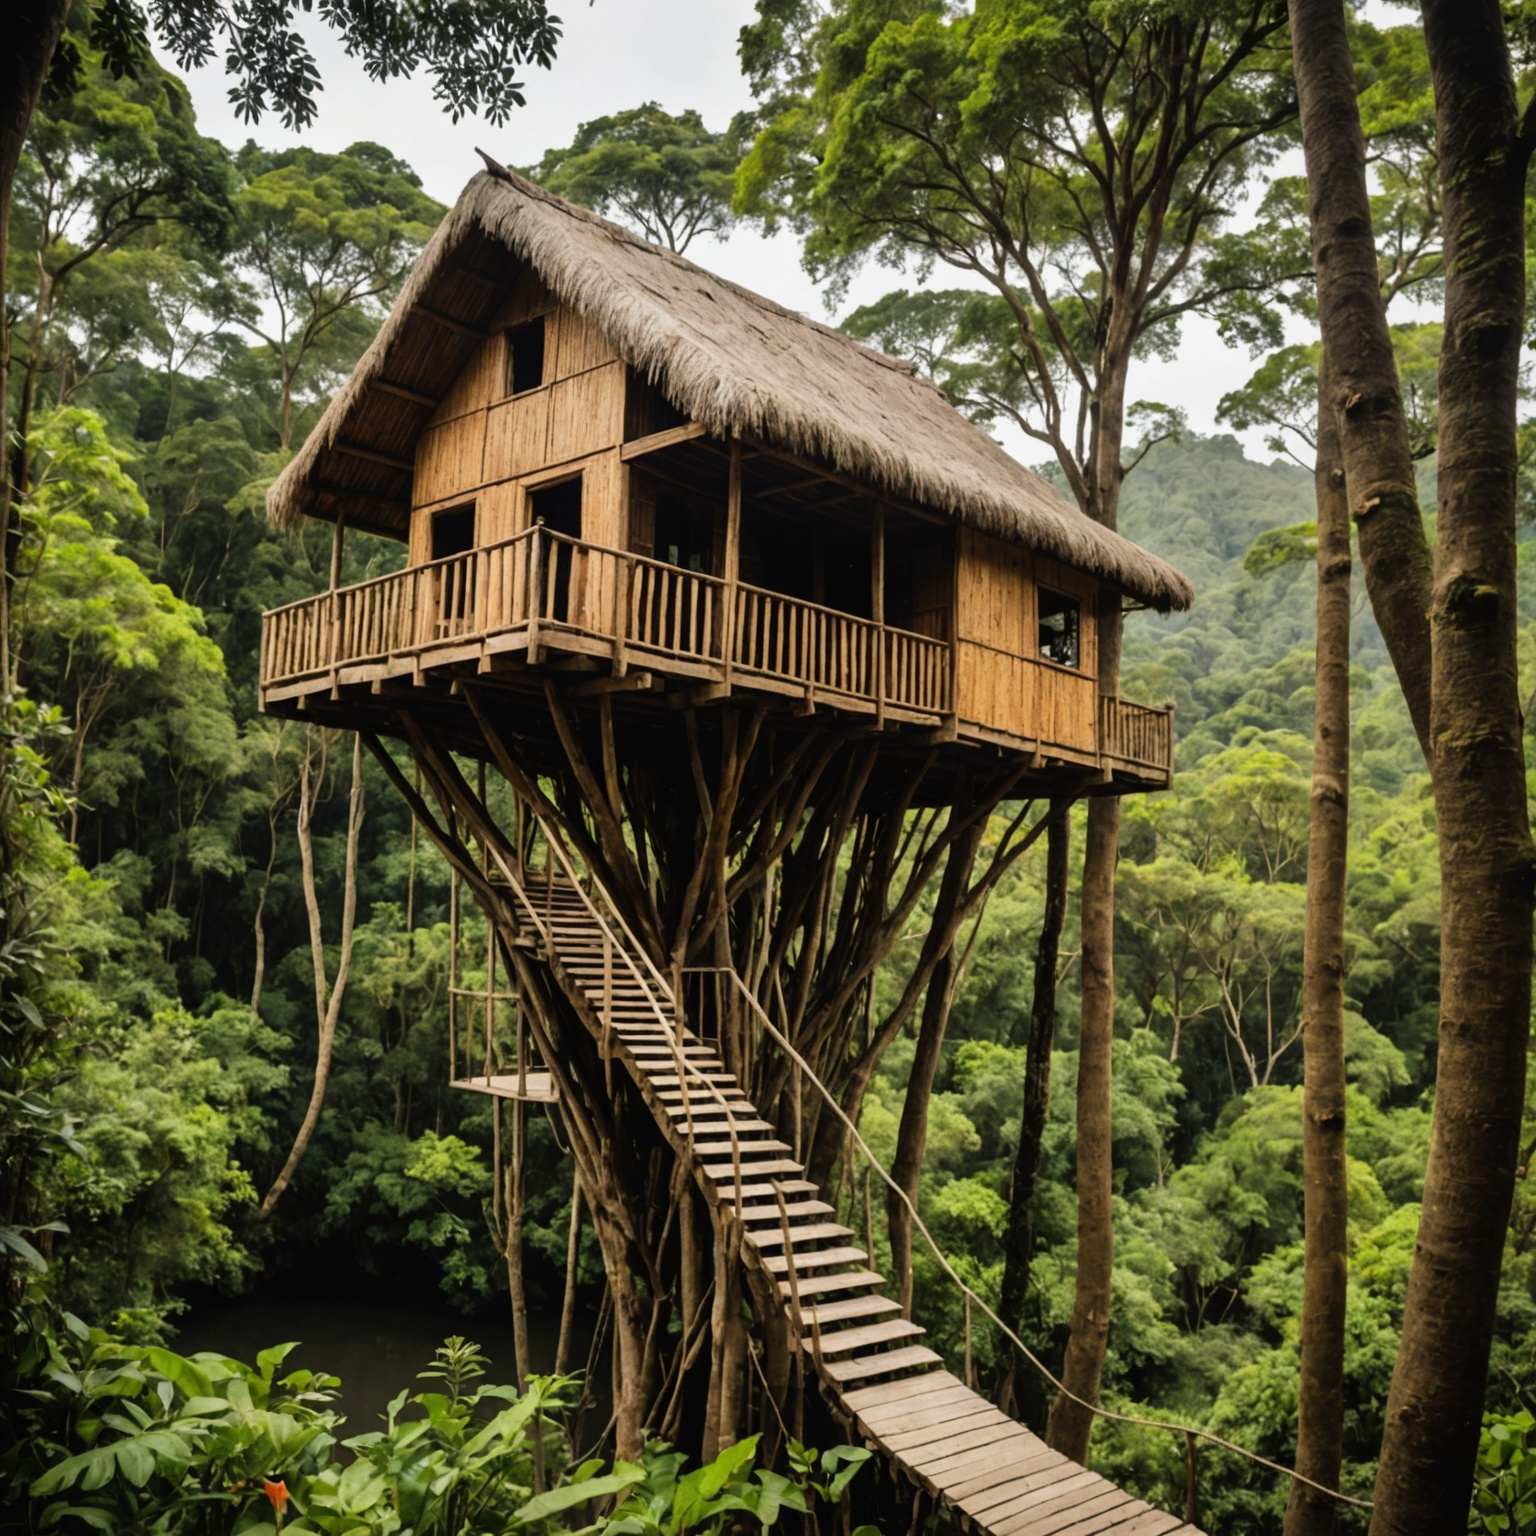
<point>685,533</point>
<point>1059,628</point>
<point>453,531</point>
<point>525,356</point>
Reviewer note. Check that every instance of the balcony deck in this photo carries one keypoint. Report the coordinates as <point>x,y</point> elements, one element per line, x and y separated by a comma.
<point>543,599</point>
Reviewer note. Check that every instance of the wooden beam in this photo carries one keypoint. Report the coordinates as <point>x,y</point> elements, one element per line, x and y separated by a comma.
<point>395,504</point>
<point>373,456</point>
<point>597,687</point>
<point>448,323</point>
<point>659,440</point>
<point>400,392</point>
<point>784,456</point>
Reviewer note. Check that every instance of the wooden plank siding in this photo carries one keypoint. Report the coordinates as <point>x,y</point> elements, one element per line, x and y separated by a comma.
<point>482,444</point>
<point>1001,683</point>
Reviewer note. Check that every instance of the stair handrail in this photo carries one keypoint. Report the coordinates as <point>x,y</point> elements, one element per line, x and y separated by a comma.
<point>668,1022</point>
<point>1190,1432</point>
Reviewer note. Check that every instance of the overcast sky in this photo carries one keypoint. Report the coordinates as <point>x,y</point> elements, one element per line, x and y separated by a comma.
<point>617,54</point>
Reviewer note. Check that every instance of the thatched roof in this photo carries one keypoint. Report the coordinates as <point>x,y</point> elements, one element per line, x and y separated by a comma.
<point>727,357</point>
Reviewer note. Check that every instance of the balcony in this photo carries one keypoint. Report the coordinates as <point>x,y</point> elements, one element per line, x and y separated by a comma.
<point>541,594</point>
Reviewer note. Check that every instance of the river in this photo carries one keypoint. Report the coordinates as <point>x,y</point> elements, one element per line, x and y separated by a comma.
<point>375,1346</point>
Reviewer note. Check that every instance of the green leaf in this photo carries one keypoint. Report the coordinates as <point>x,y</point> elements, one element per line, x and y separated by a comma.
<point>543,1505</point>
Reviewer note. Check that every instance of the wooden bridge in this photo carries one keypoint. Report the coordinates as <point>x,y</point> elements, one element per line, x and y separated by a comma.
<point>879,1377</point>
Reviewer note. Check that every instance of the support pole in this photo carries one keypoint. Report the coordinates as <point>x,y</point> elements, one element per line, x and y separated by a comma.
<point>732,559</point>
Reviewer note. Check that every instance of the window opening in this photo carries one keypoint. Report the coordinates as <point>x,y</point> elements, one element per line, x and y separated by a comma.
<point>1060,627</point>
<point>525,356</point>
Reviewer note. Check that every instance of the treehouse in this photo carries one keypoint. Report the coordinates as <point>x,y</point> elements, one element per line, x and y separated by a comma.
<point>720,641</point>
<point>602,459</point>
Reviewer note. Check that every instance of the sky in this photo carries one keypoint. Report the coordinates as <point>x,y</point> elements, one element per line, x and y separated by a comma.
<point>617,54</point>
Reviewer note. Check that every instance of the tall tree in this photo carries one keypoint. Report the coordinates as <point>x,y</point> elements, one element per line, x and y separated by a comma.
<point>321,240</point>
<point>472,51</point>
<point>1487,862</point>
<point>1325,1277</point>
<point>1077,164</point>
<point>668,175</point>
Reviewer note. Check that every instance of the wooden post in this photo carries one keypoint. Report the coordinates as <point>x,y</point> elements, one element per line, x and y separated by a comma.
<point>535,591</point>
<point>338,544</point>
<point>877,610</point>
<point>732,559</point>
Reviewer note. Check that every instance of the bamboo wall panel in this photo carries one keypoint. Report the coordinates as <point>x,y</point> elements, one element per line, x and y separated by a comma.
<point>575,344</point>
<point>499,512</point>
<point>449,460</point>
<point>1066,707</point>
<point>996,593</point>
<point>586,413</point>
<point>482,381</point>
<point>517,435</point>
<point>994,689</point>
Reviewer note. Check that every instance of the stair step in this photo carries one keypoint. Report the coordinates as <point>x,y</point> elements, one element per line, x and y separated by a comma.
<point>735,1103</point>
<point>671,1079</point>
<point>792,1208</point>
<point>885,1364</point>
<point>825,1258</point>
<point>848,1341</point>
<point>819,1285</point>
<point>815,1233</point>
<point>753,1170</point>
<point>823,1313</point>
<point>724,1149</point>
<point>713,1124</point>
<point>727,1194</point>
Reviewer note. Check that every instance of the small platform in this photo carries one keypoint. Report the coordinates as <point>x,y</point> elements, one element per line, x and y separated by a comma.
<point>531,1087</point>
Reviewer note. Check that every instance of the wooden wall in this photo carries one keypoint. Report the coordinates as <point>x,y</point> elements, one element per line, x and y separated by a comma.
<point>481,444</point>
<point>1002,683</point>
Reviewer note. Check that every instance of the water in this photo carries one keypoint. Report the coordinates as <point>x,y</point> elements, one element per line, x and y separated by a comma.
<point>374,1346</point>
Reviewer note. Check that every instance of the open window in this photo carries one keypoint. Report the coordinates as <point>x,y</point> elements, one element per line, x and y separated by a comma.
<point>525,356</point>
<point>1060,628</point>
<point>685,531</point>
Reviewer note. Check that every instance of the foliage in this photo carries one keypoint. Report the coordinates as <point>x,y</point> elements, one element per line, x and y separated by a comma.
<point>669,176</point>
<point>115,1436</point>
<point>472,51</point>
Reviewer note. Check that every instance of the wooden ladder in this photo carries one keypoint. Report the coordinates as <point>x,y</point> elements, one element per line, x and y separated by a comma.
<point>871,1363</point>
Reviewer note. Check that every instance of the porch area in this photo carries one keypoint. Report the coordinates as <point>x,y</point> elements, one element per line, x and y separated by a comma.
<point>646,624</point>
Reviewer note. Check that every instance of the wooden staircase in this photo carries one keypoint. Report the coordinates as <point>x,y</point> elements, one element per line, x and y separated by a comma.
<point>871,1363</point>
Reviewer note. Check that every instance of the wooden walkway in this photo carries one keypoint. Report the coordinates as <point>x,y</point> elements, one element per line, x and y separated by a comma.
<point>872,1365</point>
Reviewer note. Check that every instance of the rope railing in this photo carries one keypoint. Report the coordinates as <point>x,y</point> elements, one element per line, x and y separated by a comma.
<point>1189,1432</point>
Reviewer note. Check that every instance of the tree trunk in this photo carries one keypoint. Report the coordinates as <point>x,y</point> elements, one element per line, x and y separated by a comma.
<point>34,30</point>
<point>1434,1408</point>
<point>328,996</point>
<point>1019,1239</point>
<point>572,1257</point>
<point>1070,1423</point>
<point>1378,463</point>
<point>912,1134</point>
<point>1325,1274</point>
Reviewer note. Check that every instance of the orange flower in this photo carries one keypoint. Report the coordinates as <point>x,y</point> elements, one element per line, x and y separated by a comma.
<point>277,1495</point>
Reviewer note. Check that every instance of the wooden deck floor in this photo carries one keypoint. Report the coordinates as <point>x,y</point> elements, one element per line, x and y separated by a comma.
<point>989,1472</point>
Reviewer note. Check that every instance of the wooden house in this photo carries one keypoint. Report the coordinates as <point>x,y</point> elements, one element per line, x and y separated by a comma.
<point>720,597</point>
<point>601,456</point>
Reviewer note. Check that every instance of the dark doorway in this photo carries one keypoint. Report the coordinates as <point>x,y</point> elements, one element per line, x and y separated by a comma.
<point>558,507</point>
<point>453,596</point>
<point>1060,624</point>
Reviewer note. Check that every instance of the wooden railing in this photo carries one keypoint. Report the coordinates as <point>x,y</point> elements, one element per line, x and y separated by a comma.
<point>543,581</point>
<point>1136,733</point>
<point>545,578</point>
